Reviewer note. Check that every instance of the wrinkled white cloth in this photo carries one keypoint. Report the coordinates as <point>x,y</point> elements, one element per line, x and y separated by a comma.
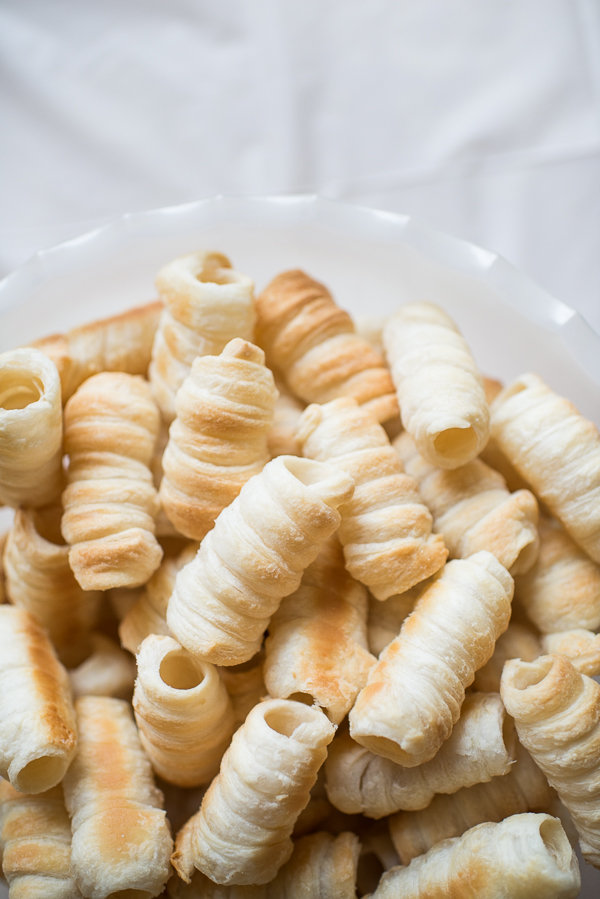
<point>481,118</point>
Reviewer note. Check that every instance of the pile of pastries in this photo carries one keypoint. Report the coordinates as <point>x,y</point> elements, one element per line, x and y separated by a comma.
<point>292,610</point>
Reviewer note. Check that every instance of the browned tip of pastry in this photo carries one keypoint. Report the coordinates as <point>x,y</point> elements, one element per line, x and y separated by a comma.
<point>125,559</point>
<point>533,691</point>
<point>243,349</point>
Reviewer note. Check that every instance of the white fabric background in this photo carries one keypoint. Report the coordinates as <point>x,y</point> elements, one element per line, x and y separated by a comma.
<point>481,117</point>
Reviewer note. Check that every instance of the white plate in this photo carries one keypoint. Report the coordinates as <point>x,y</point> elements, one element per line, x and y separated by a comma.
<point>371,260</point>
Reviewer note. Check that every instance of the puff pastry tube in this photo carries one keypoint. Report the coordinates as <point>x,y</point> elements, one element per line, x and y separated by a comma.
<point>524,857</point>
<point>35,844</point>
<point>120,343</point>
<point>38,737</point>
<point>219,437</point>
<point>110,504</point>
<point>386,528</point>
<point>413,696</point>
<point>482,746</point>
<point>254,556</point>
<point>472,509</point>
<point>580,646</point>
<point>207,304</point>
<point>557,715</point>
<point>317,644</point>
<point>245,684</point>
<point>282,439</point>
<point>522,789</point>
<point>321,866</point>
<point>556,450</point>
<point>121,838</point>
<point>385,617</point>
<point>107,671</point>
<point>241,835</point>
<point>39,579</point>
<point>517,642</point>
<point>440,391</point>
<point>562,590</point>
<point>31,429</point>
<point>314,345</point>
<point>183,712</point>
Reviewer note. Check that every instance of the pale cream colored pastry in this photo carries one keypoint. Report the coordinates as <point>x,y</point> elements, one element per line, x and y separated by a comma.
<point>318,810</point>
<point>183,712</point>
<point>148,615</point>
<point>557,715</point>
<point>242,832</point>
<point>524,857</point>
<point>207,304</point>
<point>3,596</point>
<point>522,789</point>
<point>313,343</point>
<point>121,841</point>
<point>111,424</point>
<point>122,599</point>
<point>219,437</point>
<point>517,642</point>
<point>245,684</point>
<point>472,509</point>
<point>38,737</point>
<point>556,450</point>
<point>282,439</point>
<point>35,844</point>
<point>120,343</point>
<point>322,866</point>
<point>317,643</point>
<point>481,747</point>
<point>414,694</point>
<point>580,646</point>
<point>562,590</point>
<point>254,556</point>
<point>107,671</point>
<point>370,328</point>
<point>39,579</point>
<point>440,390</point>
<point>31,429</point>
<point>386,528</point>
<point>385,618</point>
<point>491,454</point>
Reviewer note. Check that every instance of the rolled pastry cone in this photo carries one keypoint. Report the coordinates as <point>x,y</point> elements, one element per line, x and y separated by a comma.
<point>580,646</point>
<point>317,643</point>
<point>111,425</point>
<point>522,789</point>
<point>254,556</point>
<point>321,865</point>
<point>121,838</point>
<point>482,746</point>
<point>414,694</point>
<point>108,671</point>
<point>491,454</point>
<point>148,615</point>
<point>562,590</point>
<point>386,528</point>
<point>318,810</point>
<point>38,737</point>
<point>207,304</point>
<point>517,642</point>
<point>218,440</point>
<point>35,839</point>
<point>31,429</point>
<point>472,509</point>
<point>39,579</point>
<point>385,618</point>
<point>313,343</point>
<point>557,451</point>
<point>525,856</point>
<point>557,715</point>
<point>440,390</point>
<point>120,343</point>
<point>282,439</point>
<point>183,712</point>
<point>122,599</point>
<point>245,684</point>
<point>242,832</point>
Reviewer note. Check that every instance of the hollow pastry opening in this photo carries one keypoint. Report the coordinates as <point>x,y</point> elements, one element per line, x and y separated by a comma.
<point>525,558</point>
<point>47,523</point>
<point>306,470</point>
<point>19,389</point>
<point>368,873</point>
<point>515,388</point>
<point>305,698</point>
<point>41,774</point>
<point>456,443</point>
<point>285,719</point>
<point>556,842</point>
<point>529,674</point>
<point>179,671</point>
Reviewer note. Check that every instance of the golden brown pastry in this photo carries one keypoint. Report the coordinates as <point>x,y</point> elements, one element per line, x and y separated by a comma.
<point>580,646</point>
<point>414,694</point>
<point>386,528</point>
<point>31,429</point>
<point>245,684</point>
<point>121,839</point>
<point>219,437</point>
<point>107,671</point>
<point>517,642</point>
<point>313,343</point>
<point>385,618</point>
<point>440,390</point>
<point>281,439</point>
<point>111,424</point>
<point>38,737</point>
<point>317,644</point>
<point>254,556</point>
<point>207,304</point>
